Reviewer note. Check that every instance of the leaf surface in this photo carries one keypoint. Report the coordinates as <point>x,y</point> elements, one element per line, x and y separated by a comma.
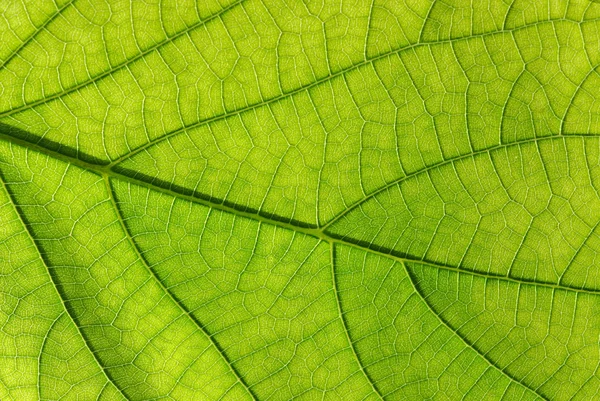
<point>273,200</point>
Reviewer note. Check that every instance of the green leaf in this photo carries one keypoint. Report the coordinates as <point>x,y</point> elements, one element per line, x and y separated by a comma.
<point>274,200</point>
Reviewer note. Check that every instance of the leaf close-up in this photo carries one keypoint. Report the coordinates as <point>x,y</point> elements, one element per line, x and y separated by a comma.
<point>308,200</point>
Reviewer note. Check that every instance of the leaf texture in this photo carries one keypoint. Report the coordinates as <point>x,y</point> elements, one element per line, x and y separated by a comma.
<point>318,200</point>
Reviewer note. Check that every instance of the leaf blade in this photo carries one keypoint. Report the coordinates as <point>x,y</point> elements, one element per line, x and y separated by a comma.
<point>407,207</point>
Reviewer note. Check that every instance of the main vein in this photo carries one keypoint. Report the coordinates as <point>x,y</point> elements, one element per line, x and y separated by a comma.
<point>108,173</point>
<point>267,218</point>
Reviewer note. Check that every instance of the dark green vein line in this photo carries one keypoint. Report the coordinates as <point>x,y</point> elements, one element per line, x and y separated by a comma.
<point>437,265</point>
<point>307,87</point>
<point>467,342</point>
<point>120,217</point>
<point>102,391</point>
<point>239,210</point>
<point>254,105</point>
<point>578,251</point>
<point>39,383</point>
<point>242,211</point>
<point>27,228</point>
<point>580,87</point>
<point>120,66</point>
<point>345,326</point>
<point>490,276</point>
<point>446,162</point>
<point>39,29</point>
<point>422,30</point>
